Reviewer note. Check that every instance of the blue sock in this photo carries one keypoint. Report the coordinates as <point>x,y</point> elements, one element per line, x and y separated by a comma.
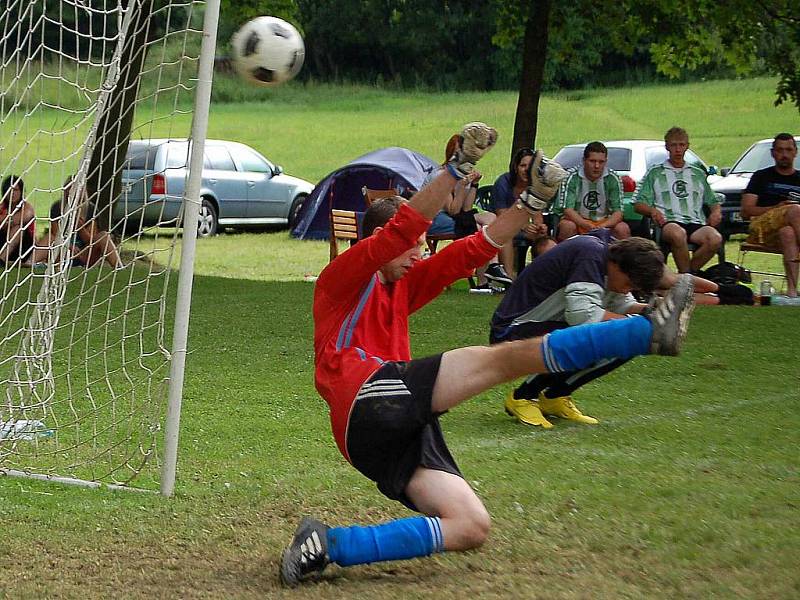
<point>576,348</point>
<point>395,540</point>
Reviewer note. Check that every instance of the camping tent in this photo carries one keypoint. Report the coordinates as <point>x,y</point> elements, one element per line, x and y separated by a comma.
<point>398,168</point>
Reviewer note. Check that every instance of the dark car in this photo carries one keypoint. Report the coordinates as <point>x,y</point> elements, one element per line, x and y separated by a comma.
<point>735,180</point>
<point>239,187</point>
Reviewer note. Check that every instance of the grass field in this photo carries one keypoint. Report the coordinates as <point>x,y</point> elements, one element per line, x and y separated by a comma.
<point>302,127</point>
<point>688,488</point>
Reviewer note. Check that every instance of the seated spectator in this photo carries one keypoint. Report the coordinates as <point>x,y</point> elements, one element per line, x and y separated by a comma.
<point>17,223</point>
<point>592,197</point>
<point>89,244</point>
<point>459,218</point>
<point>672,194</point>
<point>775,217</point>
<point>506,190</point>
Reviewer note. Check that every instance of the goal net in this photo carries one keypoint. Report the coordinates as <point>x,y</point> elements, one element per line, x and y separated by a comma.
<point>90,237</point>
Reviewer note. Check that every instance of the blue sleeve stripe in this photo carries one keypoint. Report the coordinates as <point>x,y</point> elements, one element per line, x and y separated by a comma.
<point>349,325</point>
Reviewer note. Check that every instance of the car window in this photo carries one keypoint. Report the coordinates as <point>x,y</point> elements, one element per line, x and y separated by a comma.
<point>141,156</point>
<point>177,156</point>
<point>756,158</point>
<point>619,159</point>
<point>655,155</point>
<point>692,158</point>
<point>218,157</point>
<point>250,161</point>
<point>569,157</point>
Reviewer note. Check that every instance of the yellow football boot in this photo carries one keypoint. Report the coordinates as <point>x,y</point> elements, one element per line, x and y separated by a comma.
<point>526,411</point>
<point>565,408</point>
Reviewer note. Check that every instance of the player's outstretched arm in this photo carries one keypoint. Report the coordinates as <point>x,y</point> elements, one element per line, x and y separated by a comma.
<point>475,140</point>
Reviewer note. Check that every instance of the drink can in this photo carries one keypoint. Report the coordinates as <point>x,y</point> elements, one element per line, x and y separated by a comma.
<point>766,292</point>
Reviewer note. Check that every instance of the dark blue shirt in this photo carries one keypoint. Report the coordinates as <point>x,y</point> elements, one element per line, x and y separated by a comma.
<point>565,284</point>
<point>503,193</point>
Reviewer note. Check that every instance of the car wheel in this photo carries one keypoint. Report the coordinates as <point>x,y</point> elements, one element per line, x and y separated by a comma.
<point>294,211</point>
<point>207,222</point>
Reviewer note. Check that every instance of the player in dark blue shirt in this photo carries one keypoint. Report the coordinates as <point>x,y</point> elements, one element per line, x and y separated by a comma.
<point>585,279</point>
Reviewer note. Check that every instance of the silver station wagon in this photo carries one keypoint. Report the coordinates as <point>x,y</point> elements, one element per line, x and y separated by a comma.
<point>240,188</point>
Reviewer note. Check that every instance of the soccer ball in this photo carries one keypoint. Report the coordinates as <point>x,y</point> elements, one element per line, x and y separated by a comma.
<point>267,51</point>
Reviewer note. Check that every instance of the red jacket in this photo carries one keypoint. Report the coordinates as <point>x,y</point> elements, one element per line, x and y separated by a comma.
<point>360,322</point>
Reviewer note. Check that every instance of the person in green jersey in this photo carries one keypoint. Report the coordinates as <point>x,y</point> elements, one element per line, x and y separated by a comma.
<point>592,197</point>
<point>672,194</point>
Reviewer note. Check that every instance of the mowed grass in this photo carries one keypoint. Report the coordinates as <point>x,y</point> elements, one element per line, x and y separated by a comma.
<point>687,489</point>
<point>312,131</point>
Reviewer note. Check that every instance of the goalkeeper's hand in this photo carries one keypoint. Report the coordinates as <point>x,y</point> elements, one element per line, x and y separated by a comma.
<point>475,140</point>
<point>544,177</point>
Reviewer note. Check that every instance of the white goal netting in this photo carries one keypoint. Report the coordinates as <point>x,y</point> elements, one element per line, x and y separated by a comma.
<point>89,91</point>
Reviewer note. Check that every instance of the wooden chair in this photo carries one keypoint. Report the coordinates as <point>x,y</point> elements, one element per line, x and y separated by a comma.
<point>432,241</point>
<point>344,226</point>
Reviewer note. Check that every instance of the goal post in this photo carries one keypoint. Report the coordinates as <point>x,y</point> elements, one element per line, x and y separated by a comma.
<point>91,354</point>
<point>191,211</point>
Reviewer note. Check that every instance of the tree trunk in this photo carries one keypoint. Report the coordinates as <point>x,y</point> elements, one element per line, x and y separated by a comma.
<point>534,53</point>
<point>104,180</point>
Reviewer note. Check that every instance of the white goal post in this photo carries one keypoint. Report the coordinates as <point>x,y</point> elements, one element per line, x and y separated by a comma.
<point>93,257</point>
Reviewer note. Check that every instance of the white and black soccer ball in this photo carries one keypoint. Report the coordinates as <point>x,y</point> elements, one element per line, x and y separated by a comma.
<point>268,51</point>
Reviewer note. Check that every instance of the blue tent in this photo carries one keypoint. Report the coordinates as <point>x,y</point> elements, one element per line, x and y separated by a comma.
<point>398,168</point>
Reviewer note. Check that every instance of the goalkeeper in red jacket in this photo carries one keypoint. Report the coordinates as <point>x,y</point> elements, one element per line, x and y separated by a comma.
<point>385,406</point>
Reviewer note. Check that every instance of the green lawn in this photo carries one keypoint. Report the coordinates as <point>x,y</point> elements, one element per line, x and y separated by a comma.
<point>688,488</point>
<point>312,131</point>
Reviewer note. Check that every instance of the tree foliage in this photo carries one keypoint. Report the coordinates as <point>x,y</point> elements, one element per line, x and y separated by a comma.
<point>443,43</point>
<point>743,35</point>
<point>749,36</point>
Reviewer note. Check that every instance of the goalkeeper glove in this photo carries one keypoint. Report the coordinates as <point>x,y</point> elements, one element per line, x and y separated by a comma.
<point>544,177</point>
<point>475,140</point>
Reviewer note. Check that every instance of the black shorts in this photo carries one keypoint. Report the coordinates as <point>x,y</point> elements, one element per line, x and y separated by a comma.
<point>689,228</point>
<point>392,430</point>
<point>524,331</point>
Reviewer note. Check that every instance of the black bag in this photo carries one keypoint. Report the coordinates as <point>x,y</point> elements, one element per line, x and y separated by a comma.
<point>727,273</point>
<point>735,293</point>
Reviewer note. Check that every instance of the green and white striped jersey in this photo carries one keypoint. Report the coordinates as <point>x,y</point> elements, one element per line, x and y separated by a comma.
<point>593,200</point>
<point>678,193</point>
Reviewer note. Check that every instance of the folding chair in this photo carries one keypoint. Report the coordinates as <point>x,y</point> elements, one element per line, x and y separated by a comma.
<point>746,247</point>
<point>344,226</point>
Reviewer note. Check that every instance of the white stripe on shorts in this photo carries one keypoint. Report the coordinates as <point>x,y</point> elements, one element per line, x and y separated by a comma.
<point>383,387</point>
